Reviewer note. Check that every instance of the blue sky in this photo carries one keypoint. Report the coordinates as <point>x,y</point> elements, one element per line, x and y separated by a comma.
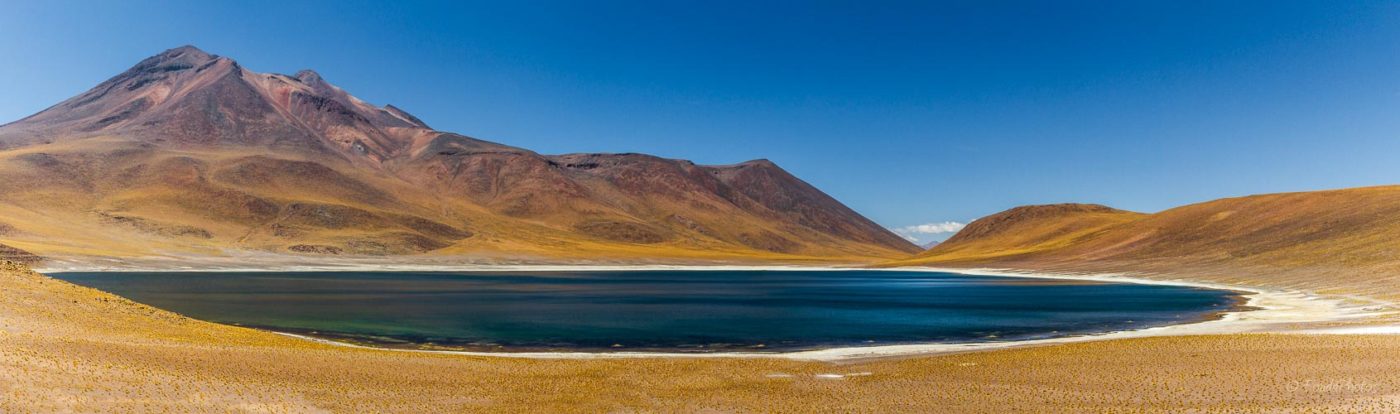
<point>911,113</point>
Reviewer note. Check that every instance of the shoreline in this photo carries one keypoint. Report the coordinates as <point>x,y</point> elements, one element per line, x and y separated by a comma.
<point>374,267</point>
<point>75,347</point>
<point>1240,304</point>
<point>273,262</point>
<point>1264,311</point>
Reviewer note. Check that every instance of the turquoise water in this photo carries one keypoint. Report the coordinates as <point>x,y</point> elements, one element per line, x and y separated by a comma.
<point>661,310</point>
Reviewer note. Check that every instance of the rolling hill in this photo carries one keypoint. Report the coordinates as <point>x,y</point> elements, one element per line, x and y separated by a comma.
<point>189,153</point>
<point>1343,240</point>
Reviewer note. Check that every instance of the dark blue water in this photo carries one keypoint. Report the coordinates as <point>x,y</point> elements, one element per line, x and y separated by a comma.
<point>661,310</point>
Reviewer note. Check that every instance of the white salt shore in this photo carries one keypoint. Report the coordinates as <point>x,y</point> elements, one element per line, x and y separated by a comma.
<point>1268,311</point>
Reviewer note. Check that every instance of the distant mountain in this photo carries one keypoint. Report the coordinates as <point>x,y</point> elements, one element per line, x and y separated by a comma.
<point>12,254</point>
<point>1027,230</point>
<point>929,245</point>
<point>1345,237</point>
<point>190,153</point>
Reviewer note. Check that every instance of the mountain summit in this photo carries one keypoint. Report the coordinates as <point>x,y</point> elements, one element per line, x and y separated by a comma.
<point>190,153</point>
<point>184,97</point>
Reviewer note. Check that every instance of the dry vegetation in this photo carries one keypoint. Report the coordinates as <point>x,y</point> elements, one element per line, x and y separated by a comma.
<point>69,348</point>
<point>102,198</point>
<point>1344,242</point>
<point>191,154</point>
<point>141,166</point>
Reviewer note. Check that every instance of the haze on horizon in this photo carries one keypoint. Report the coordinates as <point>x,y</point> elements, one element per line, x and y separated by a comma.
<point>913,114</point>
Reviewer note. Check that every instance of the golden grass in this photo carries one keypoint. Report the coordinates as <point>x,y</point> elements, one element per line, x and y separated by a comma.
<point>69,348</point>
<point>1026,231</point>
<point>1339,242</point>
<point>56,197</point>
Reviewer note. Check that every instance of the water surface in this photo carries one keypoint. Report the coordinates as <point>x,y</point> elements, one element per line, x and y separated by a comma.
<point>661,310</point>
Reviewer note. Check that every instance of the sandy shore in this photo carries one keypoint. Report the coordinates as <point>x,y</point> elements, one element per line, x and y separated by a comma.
<point>1268,311</point>
<point>65,348</point>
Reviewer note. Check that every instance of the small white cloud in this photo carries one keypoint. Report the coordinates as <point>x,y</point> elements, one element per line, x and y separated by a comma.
<point>931,228</point>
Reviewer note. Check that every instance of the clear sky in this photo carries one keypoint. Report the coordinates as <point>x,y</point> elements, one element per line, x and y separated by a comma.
<point>911,113</point>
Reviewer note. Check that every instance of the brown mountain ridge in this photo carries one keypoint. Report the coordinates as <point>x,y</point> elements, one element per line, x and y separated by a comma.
<point>190,153</point>
<point>1346,239</point>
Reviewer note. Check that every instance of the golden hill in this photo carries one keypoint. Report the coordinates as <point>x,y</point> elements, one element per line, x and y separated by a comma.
<point>1028,230</point>
<point>189,153</point>
<point>1339,240</point>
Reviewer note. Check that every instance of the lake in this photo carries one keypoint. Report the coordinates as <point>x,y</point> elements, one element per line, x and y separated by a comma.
<point>660,310</point>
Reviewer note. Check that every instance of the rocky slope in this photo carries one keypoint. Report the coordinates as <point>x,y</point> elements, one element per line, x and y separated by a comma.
<point>191,153</point>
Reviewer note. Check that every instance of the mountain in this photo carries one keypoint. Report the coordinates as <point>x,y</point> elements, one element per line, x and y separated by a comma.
<point>11,254</point>
<point>189,153</point>
<point>1305,240</point>
<point>1027,231</point>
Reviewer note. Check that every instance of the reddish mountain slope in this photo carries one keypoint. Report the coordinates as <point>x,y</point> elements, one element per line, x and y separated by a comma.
<point>192,153</point>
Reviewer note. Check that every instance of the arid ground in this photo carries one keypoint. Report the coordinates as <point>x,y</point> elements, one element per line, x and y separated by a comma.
<point>190,160</point>
<point>65,348</point>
